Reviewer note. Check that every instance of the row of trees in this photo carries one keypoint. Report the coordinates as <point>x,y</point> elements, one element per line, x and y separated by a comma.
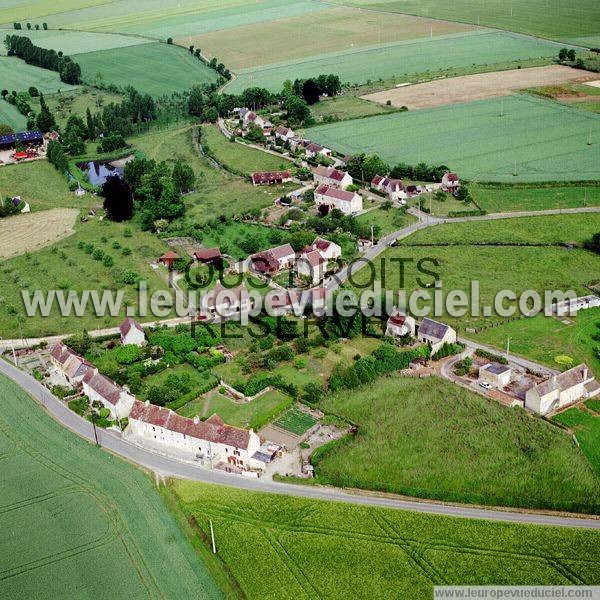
<point>17,25</point>
<point>22,47</point>
<point>312,89</point>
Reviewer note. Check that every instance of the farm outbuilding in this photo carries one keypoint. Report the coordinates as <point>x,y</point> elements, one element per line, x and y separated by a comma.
<point>9,141</point>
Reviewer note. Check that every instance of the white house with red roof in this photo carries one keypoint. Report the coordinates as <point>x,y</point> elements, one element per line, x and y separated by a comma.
<point>312,265</point>
<point>211,441</point>
<point>450,183</point>
<point>285,134</point>
<point>394,188</point>
<point>328,249</point>
<point>249,116</point>
<point>99,388</point>
<point>332,177</point>
<point>225,303</point>
<point>400,325</point>
<point>313,150</point>
<point>271,261</point>
<point>73,366</point>
<point>132,332</point>
<point>348,202</point>
<point>271,178</point>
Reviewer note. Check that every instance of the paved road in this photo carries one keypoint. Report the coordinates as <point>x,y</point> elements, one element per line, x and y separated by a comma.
<point>164,466</point>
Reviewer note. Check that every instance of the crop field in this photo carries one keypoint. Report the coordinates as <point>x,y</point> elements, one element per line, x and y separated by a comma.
<point>252,415</point>
<point>574,21</point>
<point>347,106</point>
<point>405,58</point>
<point>16,74</point>
<point>586,427</point>
<point>524,197</point>
<point>503,456</point>
<point>21,10</point>
<point>9,115</point>
<point>518,138</point>
<point>66,266</point>
<point>475,87</point>
<point>155,69</point>
<point>312,548</point>
<point>330,30</point>
<point>75,42</point>
<point>75,517</point>
<point>542,230</point>
<point>296,421</point>
<point>20,234</point>
<point>543,338</point>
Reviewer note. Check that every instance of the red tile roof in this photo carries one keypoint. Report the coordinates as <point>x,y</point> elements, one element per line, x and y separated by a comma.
<point>270,177</point>
<point>169,256</point>
<point>332,192</point>
<point>207,254</point>
<point>104,387</point>
<point>129,323</point>
<point>314,258</point>
<point>330,173</point>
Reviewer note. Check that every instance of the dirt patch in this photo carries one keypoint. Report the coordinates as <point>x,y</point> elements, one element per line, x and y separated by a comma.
<point>477,87</point>
<point>32,231</point>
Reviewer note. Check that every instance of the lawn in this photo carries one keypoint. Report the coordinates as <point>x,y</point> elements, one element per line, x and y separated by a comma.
<point>75,517</point>
<point>573,21</point>
<point>330,30</point>
<point>405,58</point>
<point>9,115</point>
<point>526,197</point>
<point>65,266</point>
<point>240,157</point>
<point>218,192</point>
<point>586,428</point>
<point>515,268</point>
<point>74,42</point>
<point>543,338</point>
<point>154,69</point>
<point>387,220</point>
<point>346,107</point>
<point>41,185</point>
<point>251,415</point>
<point>295,421</point>
<point>318,549</point>
<point>16,74</point>
<point>534,139</point>
<point>498,455</point>
<point>542,230</point>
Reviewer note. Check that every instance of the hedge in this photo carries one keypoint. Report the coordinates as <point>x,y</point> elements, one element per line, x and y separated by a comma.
<point>491,356</point>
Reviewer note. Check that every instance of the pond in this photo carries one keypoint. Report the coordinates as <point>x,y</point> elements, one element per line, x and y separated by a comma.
<point>98,172</point>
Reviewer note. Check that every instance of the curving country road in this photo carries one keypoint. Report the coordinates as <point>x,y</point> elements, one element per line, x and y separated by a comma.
<point>164,466</point>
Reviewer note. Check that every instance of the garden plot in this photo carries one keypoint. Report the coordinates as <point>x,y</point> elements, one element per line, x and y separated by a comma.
<point>475,87</point>
<point>30,232</point>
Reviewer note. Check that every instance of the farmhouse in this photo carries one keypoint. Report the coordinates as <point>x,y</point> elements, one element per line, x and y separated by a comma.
<point>450,183</point>
<point>495,374</point>
<point>313,150</point>
<point>394,188</point>
<point>435,334</point>
<point>222,302</point>
<point>74,367</point>
<point>328,249</point>
<point>168,259</point>
<point>209,256</point>
<point>285,134</point>
<point>348,202</point>
<point>99,388</point>
<point>132,332</point>
<point>571,307</point>
<point>312,265</point>
<point>561,390</point>
<point>333,177</point>
<point>31,139</point>
<point>270,262</point>
<point>271,178</point>
<point>400,325</point>
<point>212,440</point>
<point>248,116</point>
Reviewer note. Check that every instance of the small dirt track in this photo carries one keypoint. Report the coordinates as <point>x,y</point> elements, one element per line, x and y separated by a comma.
<point>32,231</point>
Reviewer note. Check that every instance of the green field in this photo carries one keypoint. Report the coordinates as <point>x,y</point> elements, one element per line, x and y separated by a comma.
<point>509,198</point>
<point>74,42</point>
<point>252,415</point>
<point>155,69</point>
<point>317,549</point>
<point>347,106</point>
<point>387,220</point>
<point>544,140</point>
<point>16,74</point>
<point>296,421</point>
<point>400,59</point>
<point>240,157</point>
<point>503,456</point>
<point>542,230</point>
<point>77,519</point>
<point>553,19</point>
<point>9,115</point>
<point>40,184</point>
<point>586,427</point>
<point>543,338</point>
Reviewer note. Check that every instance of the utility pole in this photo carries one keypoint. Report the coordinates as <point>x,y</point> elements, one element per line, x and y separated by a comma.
<point>372,236</point>
<point>212,536</point>
<point>95,430</point>
<point>589,142</point>
<point>507,347</point>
